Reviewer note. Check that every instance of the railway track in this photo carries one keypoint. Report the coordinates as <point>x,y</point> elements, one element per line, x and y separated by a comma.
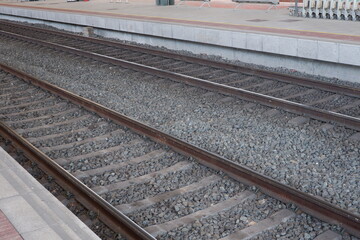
<point>168,195</point>
<point>318,100</point>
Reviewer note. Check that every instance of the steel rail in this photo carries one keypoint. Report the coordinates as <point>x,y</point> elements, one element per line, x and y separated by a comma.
<point>308,203</point>
<point>302,109</point>
<point>332,87</point>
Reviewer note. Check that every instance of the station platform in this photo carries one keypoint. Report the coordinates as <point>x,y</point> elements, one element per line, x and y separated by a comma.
<point>250,34</point>
<point>28,211</point>
<point>220,14</point>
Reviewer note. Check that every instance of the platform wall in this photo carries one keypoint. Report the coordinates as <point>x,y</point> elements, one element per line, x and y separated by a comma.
<point>316,57</point>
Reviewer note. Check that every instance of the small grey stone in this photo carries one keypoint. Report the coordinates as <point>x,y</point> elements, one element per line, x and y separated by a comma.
<point>112,178</point>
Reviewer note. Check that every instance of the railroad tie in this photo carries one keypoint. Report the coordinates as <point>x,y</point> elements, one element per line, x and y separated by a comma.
<point>56,106</point>
<point>70,121</point>
<point>264,225</point>
<point>113,167</point>
<point>142,204</point>
<point>157,230</point>
<point>328,235</point>
<point>98,153</point>
<point>183,165</point>
<point>78,143</point>
<point>29,120</point>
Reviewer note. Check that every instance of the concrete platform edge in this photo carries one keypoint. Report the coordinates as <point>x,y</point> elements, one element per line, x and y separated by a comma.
<point>32,209</point>
<point>316,57</point>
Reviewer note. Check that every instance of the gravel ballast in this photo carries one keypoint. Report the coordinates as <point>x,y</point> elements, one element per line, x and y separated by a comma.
<point>323,163</point>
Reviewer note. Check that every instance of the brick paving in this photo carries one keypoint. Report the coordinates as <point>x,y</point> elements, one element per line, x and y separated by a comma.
<point>7,230</point>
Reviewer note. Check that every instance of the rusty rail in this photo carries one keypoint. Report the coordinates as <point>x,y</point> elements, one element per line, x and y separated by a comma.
<point>302,109</point>
<point>310,204</point>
